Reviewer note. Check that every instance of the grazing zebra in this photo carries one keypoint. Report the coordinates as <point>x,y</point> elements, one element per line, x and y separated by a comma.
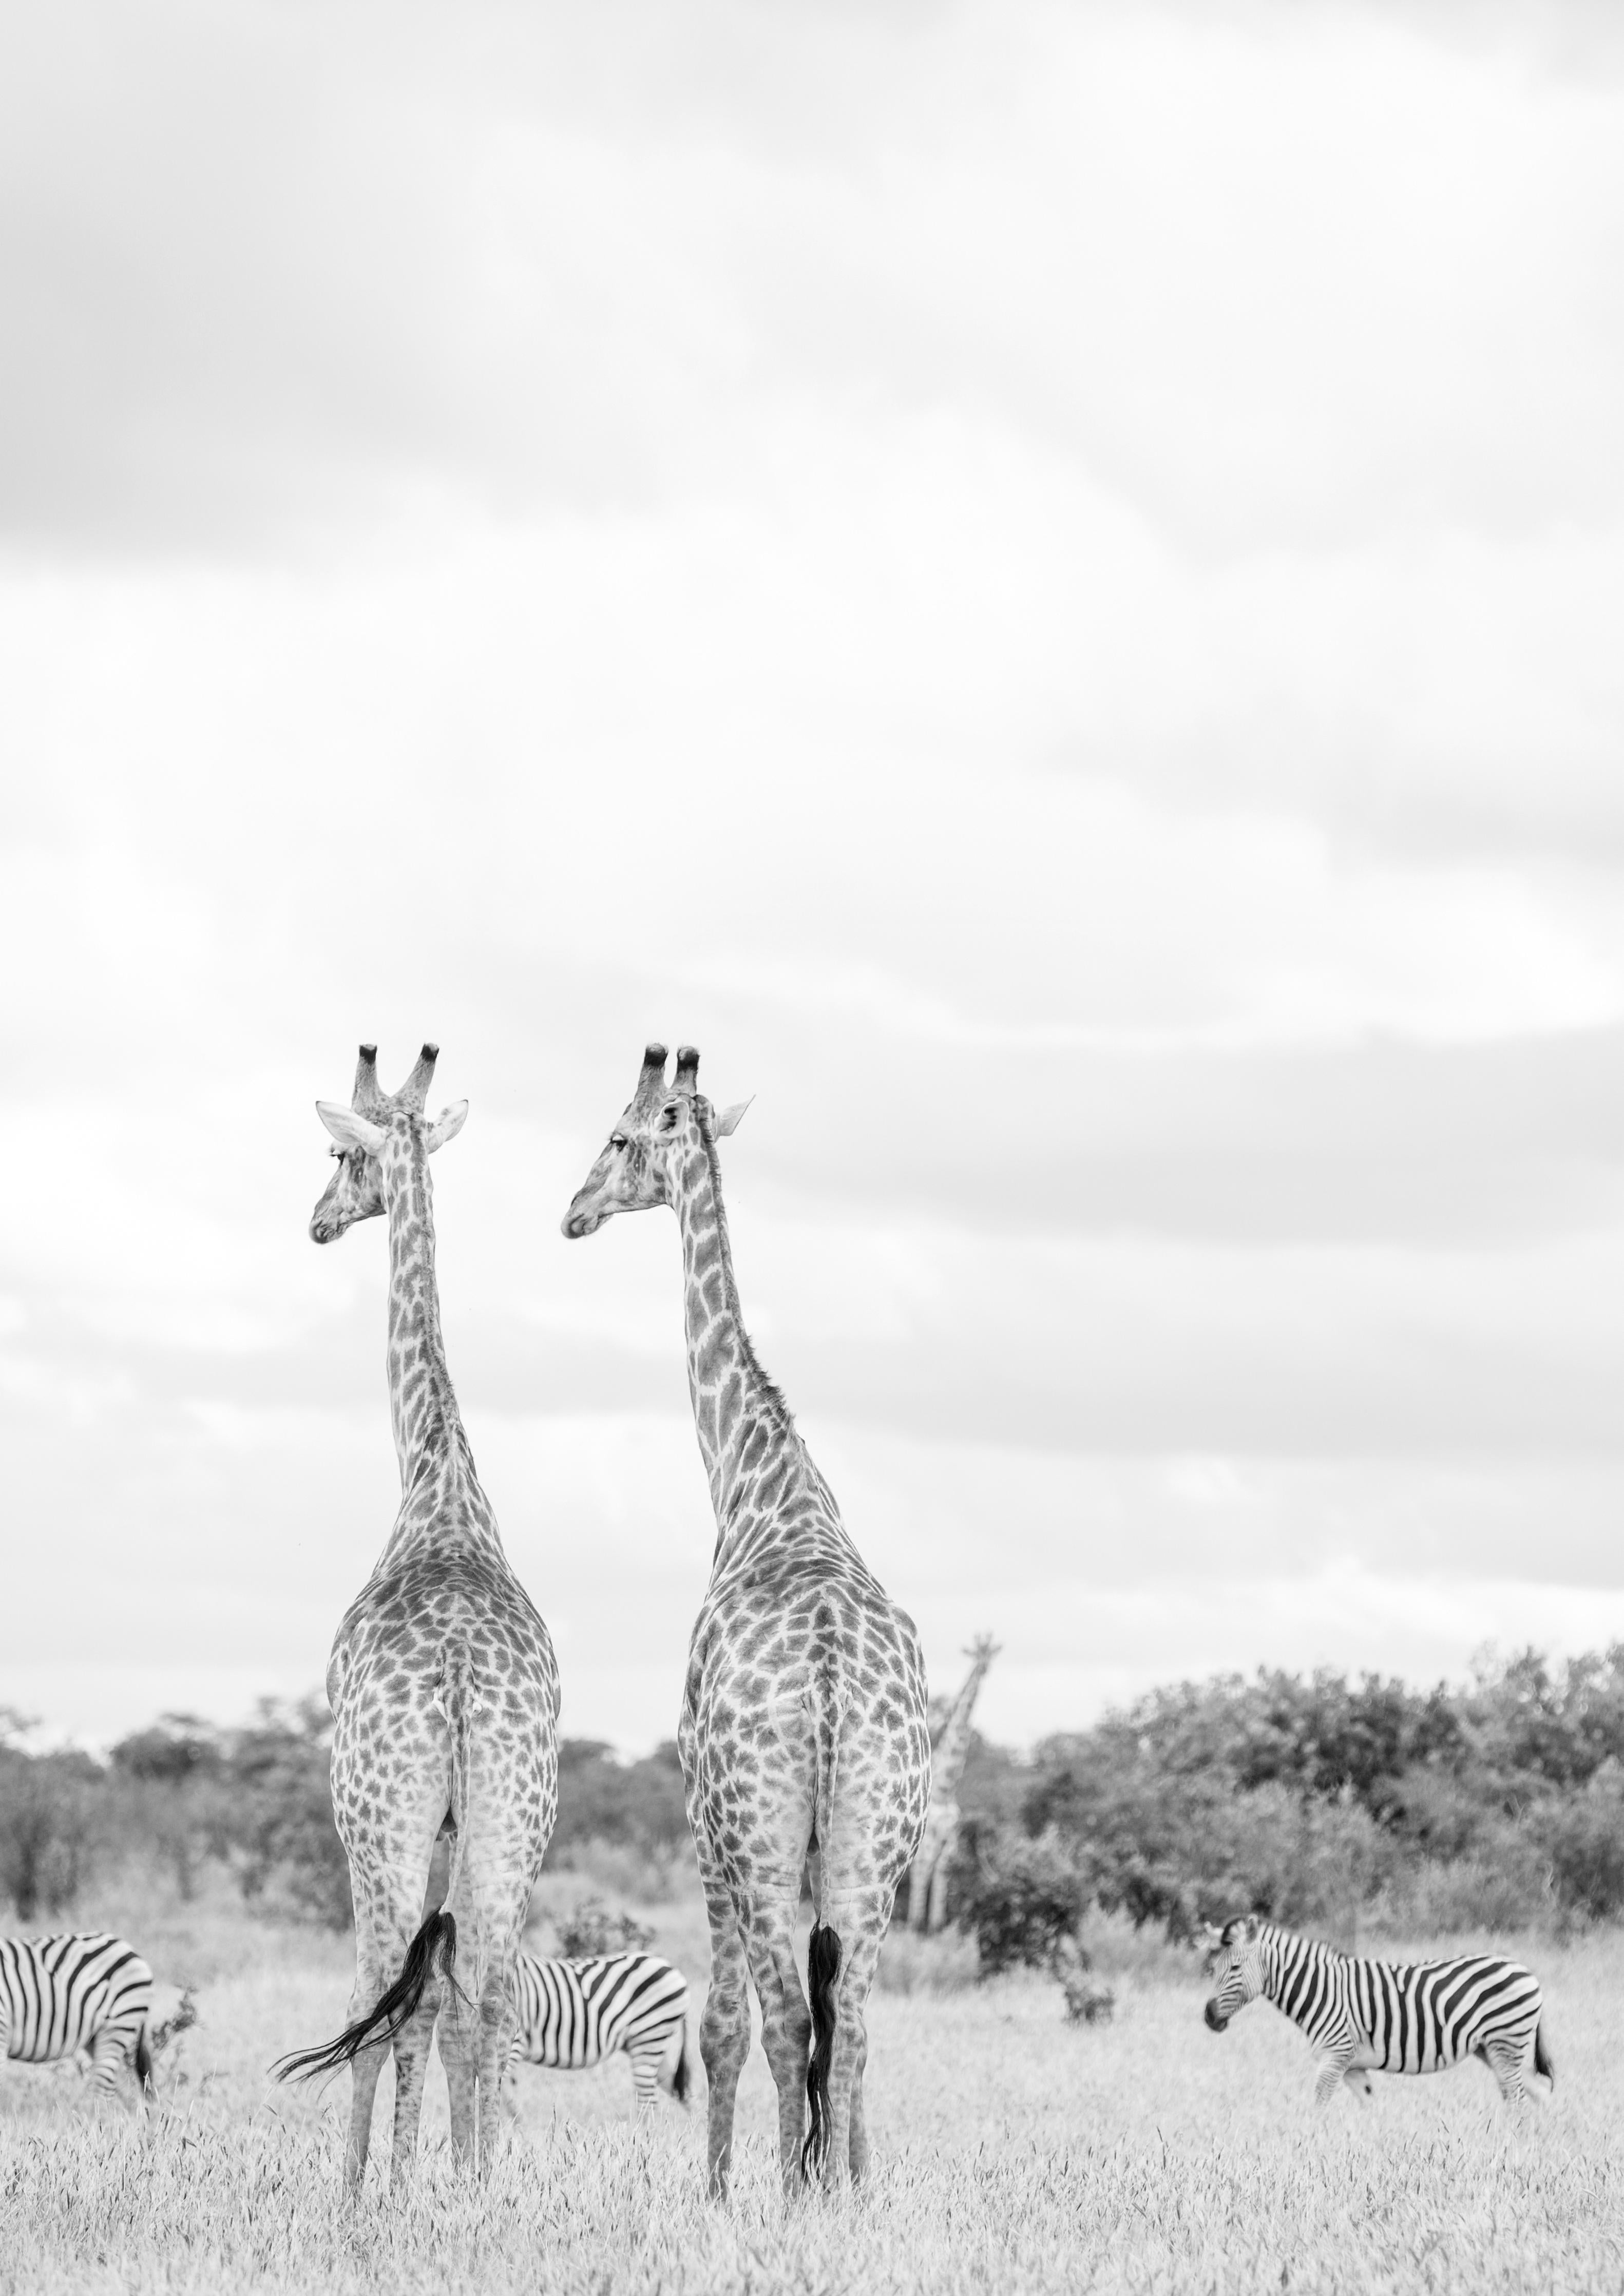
<point>574,2013</point>
<point>58,1995</point>
<point>1373,2016</point>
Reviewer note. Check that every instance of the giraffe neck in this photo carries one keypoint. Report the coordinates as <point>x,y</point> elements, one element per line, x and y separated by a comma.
<point>422,1403</point>
<point>952,1748</point>
<point>743,1422</point>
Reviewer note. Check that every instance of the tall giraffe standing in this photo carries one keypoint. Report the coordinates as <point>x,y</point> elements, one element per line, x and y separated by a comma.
<point>949,1746</point>
<point>803,1722</point>
<point>442,1689</point>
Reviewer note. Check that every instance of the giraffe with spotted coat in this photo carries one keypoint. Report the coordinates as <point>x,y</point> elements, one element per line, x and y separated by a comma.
<point>949,1750</point>
<point>804,1712</point>
<point>443,1688</point>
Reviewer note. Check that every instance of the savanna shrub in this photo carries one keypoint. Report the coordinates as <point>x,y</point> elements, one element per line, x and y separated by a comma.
<point>589,1928</point>
<point>54,1820</point>
<point>1583,1837</point>
<point>1018,1897</point>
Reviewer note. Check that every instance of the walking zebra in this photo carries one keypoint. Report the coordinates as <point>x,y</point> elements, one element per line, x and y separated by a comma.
<point>575,2014</point>
<point>58,1995</point>
<point>1375,2016</point>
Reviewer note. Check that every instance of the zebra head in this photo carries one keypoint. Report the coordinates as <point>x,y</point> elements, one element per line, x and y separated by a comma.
<point>360,1131</point>
<point>660,1128</point>
<point>1235,1965</point>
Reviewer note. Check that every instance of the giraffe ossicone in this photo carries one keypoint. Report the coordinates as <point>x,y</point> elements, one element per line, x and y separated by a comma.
<point>443,1688</point>
<point>803,1725</point>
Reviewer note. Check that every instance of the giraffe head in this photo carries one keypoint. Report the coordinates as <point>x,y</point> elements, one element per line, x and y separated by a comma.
<point>661,1127</point>
<point>361,1134</point>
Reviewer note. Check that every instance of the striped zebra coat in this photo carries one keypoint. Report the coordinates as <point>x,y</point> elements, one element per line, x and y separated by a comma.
<point>575,2014</point>
<point>1376,2016</point>
<point>60,1995</point>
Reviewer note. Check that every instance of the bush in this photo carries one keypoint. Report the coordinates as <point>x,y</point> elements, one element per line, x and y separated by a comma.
<point>1018,1897</point>
<point>283,1823</point>
<point>590,1929</point>
<point>1583,1836</point>
<point>54,1821</point>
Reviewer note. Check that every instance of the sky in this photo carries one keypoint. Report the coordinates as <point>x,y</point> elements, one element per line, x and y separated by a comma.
<point>1043,584</point>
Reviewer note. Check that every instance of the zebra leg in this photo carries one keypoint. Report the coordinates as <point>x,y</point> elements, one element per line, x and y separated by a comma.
<point>1504,2060</point>
<point>110,2051</point>
<point>645,2080</point>
<point>1332,2072</point>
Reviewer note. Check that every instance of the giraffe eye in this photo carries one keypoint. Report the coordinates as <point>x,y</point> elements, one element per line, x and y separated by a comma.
<point>617,1140</point>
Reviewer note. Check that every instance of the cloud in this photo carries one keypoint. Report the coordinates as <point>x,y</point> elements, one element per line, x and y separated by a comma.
<point>1039,583</point>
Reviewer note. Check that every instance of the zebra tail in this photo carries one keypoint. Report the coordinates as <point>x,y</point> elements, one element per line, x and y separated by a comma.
<point>822,1967</point>
<point>143,2061</point>
<point>679,2078</point>
<point>1544,2063</point>
<point>395,2009</point>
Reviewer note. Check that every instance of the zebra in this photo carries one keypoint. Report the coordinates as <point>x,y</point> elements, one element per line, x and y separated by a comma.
<point>60,1995</point>
<point>574,2013</point>
<point>1376,2016</point>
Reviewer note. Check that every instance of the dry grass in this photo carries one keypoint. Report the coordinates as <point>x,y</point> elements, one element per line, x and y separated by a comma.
<point>1017,2154</point>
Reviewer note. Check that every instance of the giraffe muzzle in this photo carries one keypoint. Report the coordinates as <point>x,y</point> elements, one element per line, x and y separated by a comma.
<point>577,1224</point>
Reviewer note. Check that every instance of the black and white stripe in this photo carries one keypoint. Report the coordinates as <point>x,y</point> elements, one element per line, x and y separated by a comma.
<point>1377,2016</point>
<point>60,1995</point>
<point>574,2013</point>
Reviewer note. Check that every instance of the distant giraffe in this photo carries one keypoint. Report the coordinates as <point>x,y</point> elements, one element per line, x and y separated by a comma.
<point>949,1746</point>
<point>443,1688</point>
<point>803,1723</point>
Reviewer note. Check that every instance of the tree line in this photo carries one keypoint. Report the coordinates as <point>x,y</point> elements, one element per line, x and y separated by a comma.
<point>1322,1801</point>
<point>1325,1802</point>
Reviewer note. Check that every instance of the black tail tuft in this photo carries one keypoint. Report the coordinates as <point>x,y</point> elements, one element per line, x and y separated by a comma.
<point>679,2078</point>
<point>1543,2061</point>
<point>823,1968</point>
<point>396,2008</point>
<point>143,2062</point>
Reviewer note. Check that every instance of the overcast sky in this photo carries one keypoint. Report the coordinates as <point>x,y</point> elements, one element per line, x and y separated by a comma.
<point>1044,584</point>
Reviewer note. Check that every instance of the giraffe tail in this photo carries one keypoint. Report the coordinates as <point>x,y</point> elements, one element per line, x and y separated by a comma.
<point>435,1945</point>
<point>823,1968</point>
<point>824,1948</point>
<point>459,1700</point>
<point>393,2010</point>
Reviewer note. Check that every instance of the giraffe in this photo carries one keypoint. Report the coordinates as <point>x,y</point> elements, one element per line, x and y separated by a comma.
<point>803,1723</point>
<point>442,1689</point>
<point>949,1746</point>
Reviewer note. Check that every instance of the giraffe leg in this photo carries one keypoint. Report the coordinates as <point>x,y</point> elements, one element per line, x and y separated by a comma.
<point>723,2030</point>
<point>786,2021</point>
<point>412,2043</point>
<point>936,1914</point>
<point>859,2149</point>
<point>495,2048</point>
<point>858,1919</point>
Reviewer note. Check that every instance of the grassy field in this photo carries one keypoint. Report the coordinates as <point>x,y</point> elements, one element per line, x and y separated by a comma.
<point>1015,2153</point>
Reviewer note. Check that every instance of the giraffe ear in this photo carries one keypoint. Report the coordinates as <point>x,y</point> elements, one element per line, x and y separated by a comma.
<point>447,1124</point>
<point>730,1118</point>
<point>349,1129</point>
